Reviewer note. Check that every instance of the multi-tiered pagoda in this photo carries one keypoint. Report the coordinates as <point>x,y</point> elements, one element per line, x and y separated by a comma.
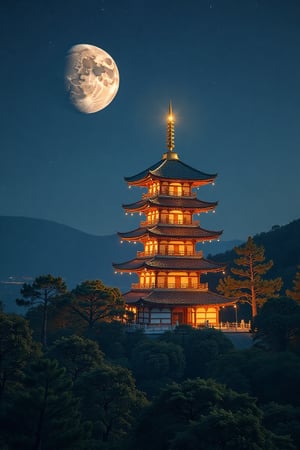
<point>169,269</point>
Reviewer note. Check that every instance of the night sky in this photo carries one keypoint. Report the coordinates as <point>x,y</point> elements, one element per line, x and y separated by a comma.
<point>231,68</point>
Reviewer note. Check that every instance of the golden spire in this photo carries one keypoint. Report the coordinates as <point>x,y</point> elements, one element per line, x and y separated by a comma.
<point>170,129</point>
<point>170,154</point>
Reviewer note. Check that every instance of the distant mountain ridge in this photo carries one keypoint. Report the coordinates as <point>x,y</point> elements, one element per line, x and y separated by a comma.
<point>32,247</point>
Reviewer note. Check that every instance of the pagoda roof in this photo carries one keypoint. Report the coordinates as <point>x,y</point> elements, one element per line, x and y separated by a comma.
<point>170,263</point>
<point>175,297</point>
<point>175,231</point>
<point>171,202</point>
<point>171,169</point>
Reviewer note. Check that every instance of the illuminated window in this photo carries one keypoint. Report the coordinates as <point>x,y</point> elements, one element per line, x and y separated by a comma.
<point>186,190</point>
<point>175,189</point>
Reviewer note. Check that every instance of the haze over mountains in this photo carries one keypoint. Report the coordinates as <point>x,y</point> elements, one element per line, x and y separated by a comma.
<point>33,247</point>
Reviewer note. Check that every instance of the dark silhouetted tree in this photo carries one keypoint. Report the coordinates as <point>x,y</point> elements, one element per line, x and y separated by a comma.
<point>283,419</point>
<point>110,402</point>
<point>294,293</point>
<point>202,414</point>
<point>268,376</point>
<point>277,325</point>
<point>201,346</point>
<point>44,292</point>
<point>16,348</point>
<point>155,363</point>
<point>93,302</point>
<point>45,414</point>
<point>77,354</point>
<point>248,285</point>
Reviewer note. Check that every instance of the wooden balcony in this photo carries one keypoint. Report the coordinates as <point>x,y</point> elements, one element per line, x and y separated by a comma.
<point>146,223</point>
<point>142,254</point>
<point>199,286</point>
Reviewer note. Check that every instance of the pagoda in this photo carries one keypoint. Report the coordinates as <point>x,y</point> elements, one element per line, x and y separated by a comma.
<point>169,290</point>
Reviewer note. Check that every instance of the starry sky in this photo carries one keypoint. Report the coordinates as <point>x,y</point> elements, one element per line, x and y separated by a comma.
<point>231,68</point>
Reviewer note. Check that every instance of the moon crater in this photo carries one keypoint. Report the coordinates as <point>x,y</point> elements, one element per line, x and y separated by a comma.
<point>91,78</point>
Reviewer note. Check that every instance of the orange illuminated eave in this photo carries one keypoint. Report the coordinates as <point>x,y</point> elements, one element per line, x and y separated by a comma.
<point>173,297</point>
<point>171,232</point>
<point>170,202</point>
<point>169,263</point>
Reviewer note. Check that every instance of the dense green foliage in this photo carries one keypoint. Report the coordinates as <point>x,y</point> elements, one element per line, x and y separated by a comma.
<point>105,387</point>
<point>202,414</point>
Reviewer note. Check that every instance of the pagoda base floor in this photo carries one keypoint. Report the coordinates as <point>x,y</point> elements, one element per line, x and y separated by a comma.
<point>169,317</point>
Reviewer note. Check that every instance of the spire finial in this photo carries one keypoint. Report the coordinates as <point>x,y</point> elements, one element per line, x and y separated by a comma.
<point>170,129</point>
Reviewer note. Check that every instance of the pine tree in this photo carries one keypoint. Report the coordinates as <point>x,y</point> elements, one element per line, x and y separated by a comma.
<point>294,293</point>
<point>94,302</point>
<point>42,293</point>
<point>248,285</point>
<point>44,414</point>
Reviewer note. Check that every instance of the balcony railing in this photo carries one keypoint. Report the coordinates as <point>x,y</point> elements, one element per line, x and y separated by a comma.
<point>171,253</point>
<point>167,221</point>
<point>199,286</point>
<point>167,193</point>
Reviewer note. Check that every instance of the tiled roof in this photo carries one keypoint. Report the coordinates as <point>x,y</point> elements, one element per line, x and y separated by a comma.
<point>175,297</point>
<point>171,202</point>
<point>172,169</point>
<point>176,231</point>
<point>170,263</point>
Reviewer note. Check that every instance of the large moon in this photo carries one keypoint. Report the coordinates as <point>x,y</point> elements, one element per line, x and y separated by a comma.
<point>91,77</point>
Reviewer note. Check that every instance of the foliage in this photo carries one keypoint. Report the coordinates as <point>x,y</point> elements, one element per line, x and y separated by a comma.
<point>110,401</point>
<point>268,376</point>
<point>201,346</point>
<point>45,291</point>
<point>16,349</point>
<point>294,293</point>
<point>154,363</point>
<point>202,414</point>
<point>249,286</point>
<point>111,338</point>
<point>77,354</point>
<point>227,430</point>
<point>93,302</point>
<point>277,325</point>
<point>283,419</point>
<point>44,415</point>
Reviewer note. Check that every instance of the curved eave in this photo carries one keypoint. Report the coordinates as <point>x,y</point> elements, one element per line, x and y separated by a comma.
<point>175,232</point>
<point>163,263</point>
<point>139,178</point>
<point>171,169</point>
<point>133,265</point>
<point>173,297</point>
<point>185,203</point>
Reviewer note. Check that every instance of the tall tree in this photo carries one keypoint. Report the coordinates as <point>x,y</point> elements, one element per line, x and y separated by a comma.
<point>16,348</point>
<point>294,293</point>
<point>202,414</point>
<point>45,414</point>
<point>110,401</point>
<point>277,325</point>
<point>77,354</point>
<point>248,285</point>
<point>44,292</point>
<point>93,302</point>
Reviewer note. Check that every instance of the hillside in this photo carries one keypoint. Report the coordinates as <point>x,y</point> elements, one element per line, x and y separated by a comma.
<point>32,247</point>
